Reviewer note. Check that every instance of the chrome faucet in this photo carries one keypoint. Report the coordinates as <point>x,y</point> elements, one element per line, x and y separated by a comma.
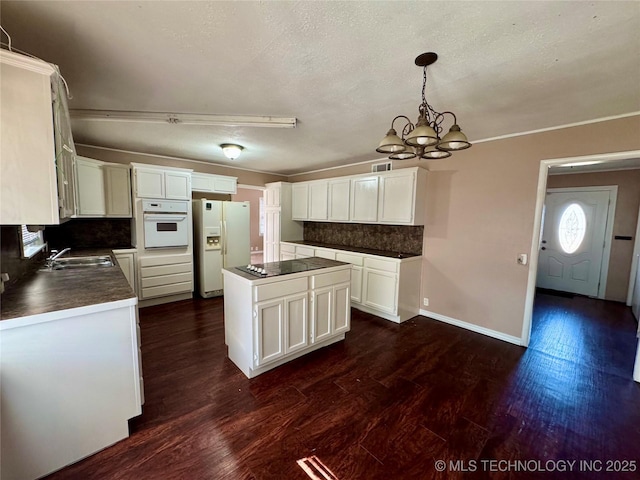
<point>55,254</point>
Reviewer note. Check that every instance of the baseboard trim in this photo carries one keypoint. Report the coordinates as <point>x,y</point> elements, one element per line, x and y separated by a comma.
<point>474,328</point>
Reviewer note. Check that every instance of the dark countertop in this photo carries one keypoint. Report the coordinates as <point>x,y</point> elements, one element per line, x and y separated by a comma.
<point>50,291</point>
<point>287,267</point>
<point>368,251</point>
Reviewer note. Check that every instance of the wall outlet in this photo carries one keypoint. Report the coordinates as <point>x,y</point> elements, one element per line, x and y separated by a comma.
<point>522,259</point>
<point>425,301</point>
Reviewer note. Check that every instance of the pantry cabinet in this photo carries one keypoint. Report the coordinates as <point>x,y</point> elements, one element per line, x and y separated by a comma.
<point>279,225</point>
<point>37,149</point>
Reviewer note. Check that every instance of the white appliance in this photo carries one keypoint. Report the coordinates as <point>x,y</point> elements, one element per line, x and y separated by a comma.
<point>222,238</point>
<point>166,223</point>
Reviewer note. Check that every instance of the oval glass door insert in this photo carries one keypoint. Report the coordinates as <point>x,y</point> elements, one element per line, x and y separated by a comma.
<point>572,228</point>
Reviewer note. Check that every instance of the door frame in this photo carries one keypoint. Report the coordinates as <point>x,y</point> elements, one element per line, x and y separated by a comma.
<point>537,226</point>
<point>608,232</point>
<point>635,263</point>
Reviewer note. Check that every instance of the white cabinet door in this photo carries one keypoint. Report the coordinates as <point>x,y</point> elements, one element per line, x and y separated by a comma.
<point>90,183</point>
<point>300,201</point>
<point>177,185</point>
<point>364,199</point>
<point>28,183</point>
<point>270,318</point>
<point>342,308</point>
<point>117,180</point>
<point>339,200</point>
<point>272,197</point>
<point>322,313</point>
<point>396,201</point>
<point>296,335</point>
<point>201,182</point>
<point>318,198</point>
<point>356,284</point>
<point>380,290</point>
<point>149,183</point>
<point>225,185</point>
<point>272,235</point>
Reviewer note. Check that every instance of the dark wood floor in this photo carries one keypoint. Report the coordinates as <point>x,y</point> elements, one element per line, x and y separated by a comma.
<point>384,404</point>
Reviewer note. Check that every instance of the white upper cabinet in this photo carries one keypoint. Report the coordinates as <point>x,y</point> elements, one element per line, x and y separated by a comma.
<point>172,184</point>
<point>272,196</point>
<point>90,184</point>
<point>37,150</point>
<point>394,198</point>
<point>300,201</point>
<point>364,199</point>
<point>117,184</point>
<point>397,196</point>
<point>177,185</point>
<point>338,202</point>
<point>318,200</point>
<point>205,182</point>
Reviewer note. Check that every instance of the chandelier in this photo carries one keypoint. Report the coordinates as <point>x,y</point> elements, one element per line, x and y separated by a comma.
<point>423,139</point>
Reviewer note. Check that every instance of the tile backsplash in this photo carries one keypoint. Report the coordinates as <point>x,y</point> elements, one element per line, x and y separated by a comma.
<point>392,238</point>
<point>90,233</point>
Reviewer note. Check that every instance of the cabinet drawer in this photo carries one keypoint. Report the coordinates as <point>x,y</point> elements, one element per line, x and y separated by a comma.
<point>165,290</point>
<point>146,272</point>
<point>287,248</point>
<point>304,252</point>
<point>322,253</point>
<point>166,280</point>
<point>379,264</point>
<point>281,289</point>
<point>332,278</point>
<point>350,258</point>
<point>165,260</point>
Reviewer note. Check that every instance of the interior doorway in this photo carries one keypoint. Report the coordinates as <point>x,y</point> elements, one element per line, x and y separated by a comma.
<point>621,160</point>
<point>254,195</point>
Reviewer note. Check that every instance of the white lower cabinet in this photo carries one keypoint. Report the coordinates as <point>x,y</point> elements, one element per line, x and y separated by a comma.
<point>273,320</point>
<point>380,290</point>
<point>385,286</point>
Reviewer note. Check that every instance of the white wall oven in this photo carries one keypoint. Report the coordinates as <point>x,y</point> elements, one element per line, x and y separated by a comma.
<point>166,223</point>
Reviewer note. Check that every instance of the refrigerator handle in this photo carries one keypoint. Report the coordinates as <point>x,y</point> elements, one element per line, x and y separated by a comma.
<point>224,226</point>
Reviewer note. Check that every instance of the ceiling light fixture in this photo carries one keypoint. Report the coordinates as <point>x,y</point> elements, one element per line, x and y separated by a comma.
<point>184,118</point>
<point>231,150</point>
<point>423,139</point>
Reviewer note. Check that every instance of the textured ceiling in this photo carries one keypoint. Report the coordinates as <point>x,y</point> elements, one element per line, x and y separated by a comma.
<point>344,69</point>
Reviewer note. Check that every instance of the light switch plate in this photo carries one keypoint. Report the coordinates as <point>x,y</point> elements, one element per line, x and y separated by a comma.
<point>522,259</point>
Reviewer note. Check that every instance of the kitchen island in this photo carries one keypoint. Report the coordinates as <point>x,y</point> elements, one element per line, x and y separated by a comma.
<point>276,312</point>
<point>71,370</point>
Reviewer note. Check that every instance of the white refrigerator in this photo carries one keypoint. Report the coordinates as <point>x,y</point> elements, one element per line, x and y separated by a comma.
<point>222,237</point>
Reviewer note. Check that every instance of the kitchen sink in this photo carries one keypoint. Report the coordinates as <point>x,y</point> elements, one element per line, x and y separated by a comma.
<point>82,262</point>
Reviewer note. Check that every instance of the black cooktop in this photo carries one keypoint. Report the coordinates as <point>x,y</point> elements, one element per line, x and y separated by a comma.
<point>274,269</point>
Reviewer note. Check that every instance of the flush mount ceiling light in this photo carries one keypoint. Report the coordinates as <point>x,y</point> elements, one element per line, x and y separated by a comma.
<point>231,150</point>
<point>185,118</point>
<point>423,139</point>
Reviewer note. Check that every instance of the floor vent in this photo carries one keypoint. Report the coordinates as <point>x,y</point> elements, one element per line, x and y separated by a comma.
<point>381,167</point>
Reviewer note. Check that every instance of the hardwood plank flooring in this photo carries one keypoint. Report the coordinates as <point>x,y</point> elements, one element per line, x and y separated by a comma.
<point>384,404</point>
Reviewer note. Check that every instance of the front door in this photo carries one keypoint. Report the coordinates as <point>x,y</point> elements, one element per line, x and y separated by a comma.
<point>572,243</point>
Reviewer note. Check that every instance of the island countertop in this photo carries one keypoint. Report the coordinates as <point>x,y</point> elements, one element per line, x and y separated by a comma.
<point>47,291</point>
<point>286,268</point>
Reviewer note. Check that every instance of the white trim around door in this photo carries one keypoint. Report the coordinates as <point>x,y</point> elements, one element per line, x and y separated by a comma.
<point>635,263</point>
